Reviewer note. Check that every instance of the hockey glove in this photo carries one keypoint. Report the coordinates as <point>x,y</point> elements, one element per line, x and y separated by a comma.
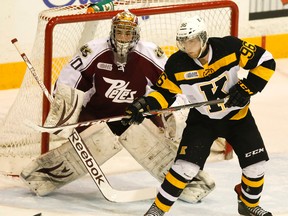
<point>135,112</point>
<point>239,94</point>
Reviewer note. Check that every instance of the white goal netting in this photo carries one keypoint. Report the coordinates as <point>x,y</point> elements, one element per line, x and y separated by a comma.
<point>18,140</point>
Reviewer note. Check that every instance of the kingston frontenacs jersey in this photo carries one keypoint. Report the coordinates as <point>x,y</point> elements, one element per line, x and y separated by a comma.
<point>184,75</point>
<point>109,87</point>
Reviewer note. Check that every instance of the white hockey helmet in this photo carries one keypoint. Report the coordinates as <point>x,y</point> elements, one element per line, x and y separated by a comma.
<point>127,23</point>
<point>191,28</point>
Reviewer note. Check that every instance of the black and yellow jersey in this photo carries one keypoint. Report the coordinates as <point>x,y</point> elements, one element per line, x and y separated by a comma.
<point>184,75</point>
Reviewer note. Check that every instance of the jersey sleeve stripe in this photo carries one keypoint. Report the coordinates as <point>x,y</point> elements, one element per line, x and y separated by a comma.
<point>169,85</point>
<point>159,97</point>
<point>241,114</point>
<point>262,72</point>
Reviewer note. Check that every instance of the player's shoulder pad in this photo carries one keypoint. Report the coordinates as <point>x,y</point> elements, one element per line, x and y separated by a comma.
<point>93,48</point>
<point>150,49</point>
<point>231,43</point>
<point>176,57</point>
<point>232,40</point>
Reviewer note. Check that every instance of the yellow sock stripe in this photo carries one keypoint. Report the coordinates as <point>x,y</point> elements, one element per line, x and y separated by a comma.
<point>247,203</point>
<point>162,206</point>
<point>252,183</point>
<point>175,182</point>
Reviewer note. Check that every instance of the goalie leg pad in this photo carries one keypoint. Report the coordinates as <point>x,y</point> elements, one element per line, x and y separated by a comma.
<point>153,153</point>
<point>156,153</point>
<point>200,186</point>
<point>62,165</point>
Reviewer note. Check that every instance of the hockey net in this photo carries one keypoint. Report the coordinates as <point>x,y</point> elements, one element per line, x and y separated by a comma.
<point>62,30</point>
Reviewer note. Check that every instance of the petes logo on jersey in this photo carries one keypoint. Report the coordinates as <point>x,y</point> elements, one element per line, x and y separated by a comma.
<point>118,91</point>
<point>191,75</point>
<point>104,66</point>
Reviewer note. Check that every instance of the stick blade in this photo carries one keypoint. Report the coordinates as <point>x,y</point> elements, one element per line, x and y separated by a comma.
<point>131,195</point>
<point>34,126</point>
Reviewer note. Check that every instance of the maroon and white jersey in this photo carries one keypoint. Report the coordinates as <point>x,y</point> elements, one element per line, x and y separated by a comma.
<point>109,87</point>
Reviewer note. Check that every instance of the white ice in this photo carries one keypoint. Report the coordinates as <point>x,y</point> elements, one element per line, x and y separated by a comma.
<point>270,109</point>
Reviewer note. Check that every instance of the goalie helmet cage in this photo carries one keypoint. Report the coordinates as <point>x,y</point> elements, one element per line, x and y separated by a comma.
<point>61,31</point>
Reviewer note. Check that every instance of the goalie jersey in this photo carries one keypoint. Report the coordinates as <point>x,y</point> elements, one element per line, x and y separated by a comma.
<point>109,87</point>
<point>213,80</point>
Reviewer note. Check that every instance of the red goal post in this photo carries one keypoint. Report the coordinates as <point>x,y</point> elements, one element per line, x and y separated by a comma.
<point>62,30</point>
<point>168,9</point>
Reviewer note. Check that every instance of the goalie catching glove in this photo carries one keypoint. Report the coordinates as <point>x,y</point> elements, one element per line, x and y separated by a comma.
<point>239,94</point>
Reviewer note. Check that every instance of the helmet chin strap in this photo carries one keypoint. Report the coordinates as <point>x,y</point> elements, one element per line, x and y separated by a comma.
<point>122,52</point>
<point>120,58</point>
<point>203,53</point>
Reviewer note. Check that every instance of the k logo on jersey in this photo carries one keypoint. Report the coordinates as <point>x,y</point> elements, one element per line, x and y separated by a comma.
<point>119,92</point>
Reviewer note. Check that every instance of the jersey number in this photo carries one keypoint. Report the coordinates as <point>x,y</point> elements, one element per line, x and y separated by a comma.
<point>161,79</point>
<point>248,50</point>
<point>76,63</point>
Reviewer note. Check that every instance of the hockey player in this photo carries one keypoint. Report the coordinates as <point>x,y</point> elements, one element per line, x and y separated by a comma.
<point>112,72</point>
<point>206,69</point>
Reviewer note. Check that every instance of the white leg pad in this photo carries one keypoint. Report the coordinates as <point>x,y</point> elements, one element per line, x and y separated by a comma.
<point>62,165</point>
<point>153,152</point>
<point>156,154</point>
<point>201,185</point>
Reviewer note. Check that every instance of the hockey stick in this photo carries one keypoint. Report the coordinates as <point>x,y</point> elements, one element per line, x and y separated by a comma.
<point>54,129</point>
<point>86,157</point>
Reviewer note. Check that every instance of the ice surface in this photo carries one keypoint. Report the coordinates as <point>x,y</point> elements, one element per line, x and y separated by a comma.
<point>270,109</point>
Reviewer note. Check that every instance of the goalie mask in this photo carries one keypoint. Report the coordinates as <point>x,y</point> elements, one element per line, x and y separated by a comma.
<point>124,34</point>
<point>192,37</point>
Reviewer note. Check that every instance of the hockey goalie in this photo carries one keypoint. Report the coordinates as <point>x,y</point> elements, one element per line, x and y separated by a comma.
<point>100,81</point>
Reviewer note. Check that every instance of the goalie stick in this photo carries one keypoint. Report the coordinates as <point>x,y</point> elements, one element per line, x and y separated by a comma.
<point>86,157</point>
<point>55,129</point>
